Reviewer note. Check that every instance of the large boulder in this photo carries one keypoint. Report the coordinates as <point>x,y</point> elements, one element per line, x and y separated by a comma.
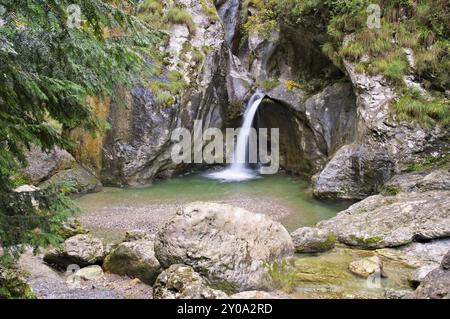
<point>182,282</point>
<point>43,165</point>
<point>312,240</point>
<point>388,221</point>
<point>79,178</point>
<point>355,172</point>
<point>81,250</point>
<point>435,285</point>
<point>227,244</point>
<point>135,259</point>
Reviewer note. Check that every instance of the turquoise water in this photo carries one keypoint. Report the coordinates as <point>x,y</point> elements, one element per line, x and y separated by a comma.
<point>279,195</point>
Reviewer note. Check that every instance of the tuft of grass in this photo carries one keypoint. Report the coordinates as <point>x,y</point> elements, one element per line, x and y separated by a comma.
<point>270,84</point>
<point>428,162</point>
<point>178,15</point>
<point>209,8</point>
<point>412,106</point>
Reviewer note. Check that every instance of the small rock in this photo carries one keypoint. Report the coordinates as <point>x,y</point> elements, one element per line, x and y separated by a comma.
<point>312,240</point>
<point>135,259</point>
<point>94,272</point>
<point>72,228</point>
<point>445,264</point>
<point>133,235</point>
<point>182,282</point>
<point>26,189</point>
<point>366,267</point>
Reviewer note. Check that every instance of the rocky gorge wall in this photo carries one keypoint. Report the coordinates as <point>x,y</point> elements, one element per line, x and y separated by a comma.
<point>334,123</point>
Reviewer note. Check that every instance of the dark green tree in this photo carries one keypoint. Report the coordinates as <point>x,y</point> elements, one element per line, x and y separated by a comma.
<point>47,69</point>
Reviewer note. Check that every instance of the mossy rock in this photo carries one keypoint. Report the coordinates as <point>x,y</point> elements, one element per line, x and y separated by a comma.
<point>13,284</point>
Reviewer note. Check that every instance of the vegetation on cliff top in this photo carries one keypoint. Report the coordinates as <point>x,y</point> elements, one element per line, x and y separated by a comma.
<point>341,28</point>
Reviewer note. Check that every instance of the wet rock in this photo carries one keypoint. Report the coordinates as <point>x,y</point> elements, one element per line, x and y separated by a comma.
<point>366,267</point>
<point>182,282</point>
<point>89,273</point>
<point>135,259</point>
<point>388,221</point>
<point>226,244</point>
<point>81,250</point>
<point>312,240</point>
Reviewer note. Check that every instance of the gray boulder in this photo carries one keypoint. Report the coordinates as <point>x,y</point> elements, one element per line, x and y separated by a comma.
<point>78,177</point>
<point>435,285</point>
<point>355,172</point>
<point>82,250</point>
<point>226,244</point>
<point>388,221</point>
<point>312,240</point>
<point>182,282</point>
<point>135,259</point>
<point>43,165</point>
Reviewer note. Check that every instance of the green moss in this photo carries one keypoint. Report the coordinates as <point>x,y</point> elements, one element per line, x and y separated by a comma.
<point>428,162</point>
<point>364,242</point>
<point>13,285</point>
<point>270,84</point>
<point>392,190</point>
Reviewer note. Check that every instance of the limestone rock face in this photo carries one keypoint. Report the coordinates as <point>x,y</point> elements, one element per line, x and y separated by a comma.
<point>381,145</point>
<point>135,259</point>
<point>388,221</point>
<point>226,244</point>
<point>82,250</point>
<point>312,240</point>
<point>138,147</point>
<point>182,282</point>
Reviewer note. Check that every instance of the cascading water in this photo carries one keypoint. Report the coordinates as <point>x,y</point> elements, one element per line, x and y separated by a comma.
<point>238,170</point>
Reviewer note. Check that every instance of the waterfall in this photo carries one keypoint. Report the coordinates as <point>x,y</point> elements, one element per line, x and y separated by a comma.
<point>238,170</point>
